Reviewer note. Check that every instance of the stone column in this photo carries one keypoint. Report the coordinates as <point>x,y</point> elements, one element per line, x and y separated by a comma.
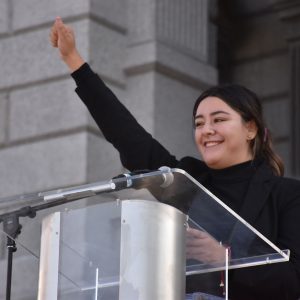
<point>289,13</point>
<point>167,67</point>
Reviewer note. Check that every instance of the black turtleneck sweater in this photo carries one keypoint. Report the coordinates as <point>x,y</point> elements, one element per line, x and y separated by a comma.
<point>231,184</point>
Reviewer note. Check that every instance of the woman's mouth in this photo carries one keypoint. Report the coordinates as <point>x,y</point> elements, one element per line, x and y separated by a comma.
<point>209,144</point>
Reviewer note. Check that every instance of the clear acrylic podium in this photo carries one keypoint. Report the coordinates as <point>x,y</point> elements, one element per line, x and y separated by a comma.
<point>124,239</point>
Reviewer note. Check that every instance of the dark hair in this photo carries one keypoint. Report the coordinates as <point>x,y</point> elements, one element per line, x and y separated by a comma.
<point>247,104</point>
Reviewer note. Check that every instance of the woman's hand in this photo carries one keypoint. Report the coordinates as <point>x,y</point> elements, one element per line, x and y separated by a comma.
<point>201,246</point>
<point>63,38</point>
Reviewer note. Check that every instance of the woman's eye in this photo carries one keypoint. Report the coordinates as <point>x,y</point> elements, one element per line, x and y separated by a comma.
<point>219,120</point>
<point>199,124</point>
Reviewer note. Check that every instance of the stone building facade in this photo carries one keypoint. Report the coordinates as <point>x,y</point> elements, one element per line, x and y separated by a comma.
<point>157,56</point>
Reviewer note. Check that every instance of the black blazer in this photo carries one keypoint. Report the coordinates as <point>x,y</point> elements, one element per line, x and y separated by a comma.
<point>272,204</point>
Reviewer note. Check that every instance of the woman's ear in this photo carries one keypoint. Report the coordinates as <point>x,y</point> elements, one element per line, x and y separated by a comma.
<point>252,130</point>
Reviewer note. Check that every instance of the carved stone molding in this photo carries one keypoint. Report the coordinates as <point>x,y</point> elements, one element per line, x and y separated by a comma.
<point>179,24</point>
<point>184,24</point>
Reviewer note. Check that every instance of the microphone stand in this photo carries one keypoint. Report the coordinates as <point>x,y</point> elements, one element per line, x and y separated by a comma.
<point>12,227</point>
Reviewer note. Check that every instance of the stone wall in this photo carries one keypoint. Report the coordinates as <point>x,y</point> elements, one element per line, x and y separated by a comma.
<point>155,55</point>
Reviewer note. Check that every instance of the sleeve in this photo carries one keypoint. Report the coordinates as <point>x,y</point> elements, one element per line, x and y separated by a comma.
<point>138,149</point>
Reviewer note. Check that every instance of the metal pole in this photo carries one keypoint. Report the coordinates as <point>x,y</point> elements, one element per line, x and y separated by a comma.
<point>11,247</point>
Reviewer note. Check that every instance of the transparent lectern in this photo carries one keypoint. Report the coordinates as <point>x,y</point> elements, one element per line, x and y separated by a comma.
<point>124,239</point>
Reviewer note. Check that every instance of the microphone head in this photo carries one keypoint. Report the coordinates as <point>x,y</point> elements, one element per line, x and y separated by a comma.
<point>168,177</point>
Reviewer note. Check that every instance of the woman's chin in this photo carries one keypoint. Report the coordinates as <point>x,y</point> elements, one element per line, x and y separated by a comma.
<point>213,162</point>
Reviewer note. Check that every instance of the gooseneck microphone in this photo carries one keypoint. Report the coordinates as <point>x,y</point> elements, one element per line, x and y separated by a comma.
<point>136,180</point>
<point>144,178</point>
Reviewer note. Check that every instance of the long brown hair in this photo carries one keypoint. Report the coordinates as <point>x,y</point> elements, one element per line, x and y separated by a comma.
<point>247,104</point>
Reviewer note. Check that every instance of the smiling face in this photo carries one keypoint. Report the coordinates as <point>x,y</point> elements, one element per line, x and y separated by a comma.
<point>221,135</point>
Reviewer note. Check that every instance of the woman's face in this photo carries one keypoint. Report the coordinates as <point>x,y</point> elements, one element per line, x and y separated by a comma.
<point>222,137</point>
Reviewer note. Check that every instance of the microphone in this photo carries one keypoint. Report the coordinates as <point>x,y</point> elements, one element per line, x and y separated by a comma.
<point>144,178</point>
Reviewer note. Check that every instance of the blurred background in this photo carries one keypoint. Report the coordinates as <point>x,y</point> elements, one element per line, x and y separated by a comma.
<point>157,56</point>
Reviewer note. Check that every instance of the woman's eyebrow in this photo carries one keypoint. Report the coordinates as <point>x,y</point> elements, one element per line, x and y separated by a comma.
<point>213,114</point>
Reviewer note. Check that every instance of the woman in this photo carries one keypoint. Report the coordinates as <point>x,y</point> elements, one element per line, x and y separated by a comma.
<point>239,166</point>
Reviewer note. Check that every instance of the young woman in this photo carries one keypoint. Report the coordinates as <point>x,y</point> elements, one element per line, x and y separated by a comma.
<point>239,166</point>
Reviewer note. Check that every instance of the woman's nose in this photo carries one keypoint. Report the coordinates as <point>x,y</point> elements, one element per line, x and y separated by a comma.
<point>208,129</point>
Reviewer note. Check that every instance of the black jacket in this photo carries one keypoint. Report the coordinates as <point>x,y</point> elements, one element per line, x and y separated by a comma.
<point>272,204</point>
